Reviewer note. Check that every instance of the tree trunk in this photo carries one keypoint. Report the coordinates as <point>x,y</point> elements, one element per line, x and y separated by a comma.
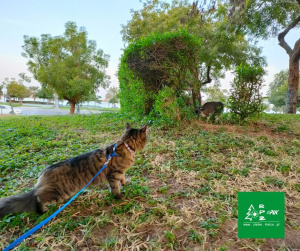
<point>196,95</point>
<point>293,85</point>
<point>11,105</point>
<point>72,106</point>
<point>55,101</point>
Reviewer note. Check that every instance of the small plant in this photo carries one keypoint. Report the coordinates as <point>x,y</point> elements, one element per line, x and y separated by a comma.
<point>245,100</point>
<point>273,181</point>
<point>170,237</point>
<point>283,168</point>
<point>110,242</point>
<point>195,236</point>
<point>164,189</point>
<point>210,223</point>
<point>265,150</point>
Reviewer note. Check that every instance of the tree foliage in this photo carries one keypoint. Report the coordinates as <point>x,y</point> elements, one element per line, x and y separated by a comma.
<point>278,89</point>
<point>245,99</point>
<point>34,90</point>
<point>158,61</point>
<point>45,93</point>
<point>16,88</point>
<point>221,50</point>
<point>112,92</point>
<point>279,79</point>
<point>265,18</point>
<point>215,93</point>
<point>69,64</point>
<point>112,95</point>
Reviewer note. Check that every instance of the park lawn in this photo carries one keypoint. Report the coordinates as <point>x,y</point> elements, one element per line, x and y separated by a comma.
<point>183,189</point>
<point>14,104</point>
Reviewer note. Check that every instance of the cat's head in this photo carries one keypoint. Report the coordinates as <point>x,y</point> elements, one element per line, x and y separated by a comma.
<point>136,138</point>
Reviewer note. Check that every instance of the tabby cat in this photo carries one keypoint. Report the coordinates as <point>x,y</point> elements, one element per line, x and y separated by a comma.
<point>64,179</point>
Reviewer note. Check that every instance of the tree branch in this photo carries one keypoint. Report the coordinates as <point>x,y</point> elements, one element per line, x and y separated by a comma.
<point>208,77</point>
<point>282,35</point>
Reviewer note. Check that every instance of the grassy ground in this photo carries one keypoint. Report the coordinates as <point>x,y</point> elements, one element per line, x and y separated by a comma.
<point>92,108</point>
<point>14,104</point>
<point>183,189</point>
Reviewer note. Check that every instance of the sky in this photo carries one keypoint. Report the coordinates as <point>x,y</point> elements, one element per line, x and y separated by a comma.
<point>102,20</point>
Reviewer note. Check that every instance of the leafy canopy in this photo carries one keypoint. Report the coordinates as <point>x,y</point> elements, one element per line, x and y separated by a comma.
<point>221,48</point>
<point>278,89</point>
<point>45,93</point>
<point>264,18</point>
<point>69,64</point>
<point>16,88</point>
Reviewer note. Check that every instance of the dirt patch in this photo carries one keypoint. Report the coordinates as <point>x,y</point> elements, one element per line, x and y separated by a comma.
<point>104,232</point>
<point>290,242</point>
<point>255,129</point>
<point>229,234</point>
<point>149,232</point>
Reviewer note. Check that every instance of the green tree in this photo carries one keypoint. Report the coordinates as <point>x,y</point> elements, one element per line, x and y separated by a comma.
<point>279,79</point>
<point>278,89</point>
<point>98,99</point>
<point>245,99</point>
<point>45,93</point>
<point>69,64</point>
<point>112,95</point>
<point>266,18</point>
<point>5,83</point>
<point>277,96</point>
<point>114,100</point>
<point>215,93</point>
<point>221,49</point>
<point>34,90</point>
<point>16,88</point>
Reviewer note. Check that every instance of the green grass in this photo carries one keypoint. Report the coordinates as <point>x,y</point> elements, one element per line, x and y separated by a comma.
<point>14,104</point>
<point>183,189</point>
<point>92,109</point>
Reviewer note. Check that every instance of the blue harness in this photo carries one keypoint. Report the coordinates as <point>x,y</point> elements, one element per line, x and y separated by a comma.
<point>37,227</point>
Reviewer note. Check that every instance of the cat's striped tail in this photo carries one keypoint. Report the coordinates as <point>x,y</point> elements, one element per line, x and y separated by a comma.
<point>26,202</point>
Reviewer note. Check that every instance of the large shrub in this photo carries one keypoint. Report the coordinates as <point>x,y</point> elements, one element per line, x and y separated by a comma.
<point>170,108</point>
<point>168,62</point>
<point>246,99</point>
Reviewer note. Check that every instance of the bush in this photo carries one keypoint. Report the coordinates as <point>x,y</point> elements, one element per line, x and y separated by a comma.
<point>169,108</point>
<point>157,70</point>
<point>245,100</point>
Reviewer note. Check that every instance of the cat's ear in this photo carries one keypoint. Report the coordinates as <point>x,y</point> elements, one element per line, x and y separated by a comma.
<point>127,126</point>
<point>144,128</point>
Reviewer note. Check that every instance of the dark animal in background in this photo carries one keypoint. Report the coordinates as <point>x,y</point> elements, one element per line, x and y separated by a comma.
<point>64,179</point>
<point>211,108</point>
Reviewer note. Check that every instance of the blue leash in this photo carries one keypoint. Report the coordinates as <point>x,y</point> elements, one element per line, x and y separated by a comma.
<point>37,227</point>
